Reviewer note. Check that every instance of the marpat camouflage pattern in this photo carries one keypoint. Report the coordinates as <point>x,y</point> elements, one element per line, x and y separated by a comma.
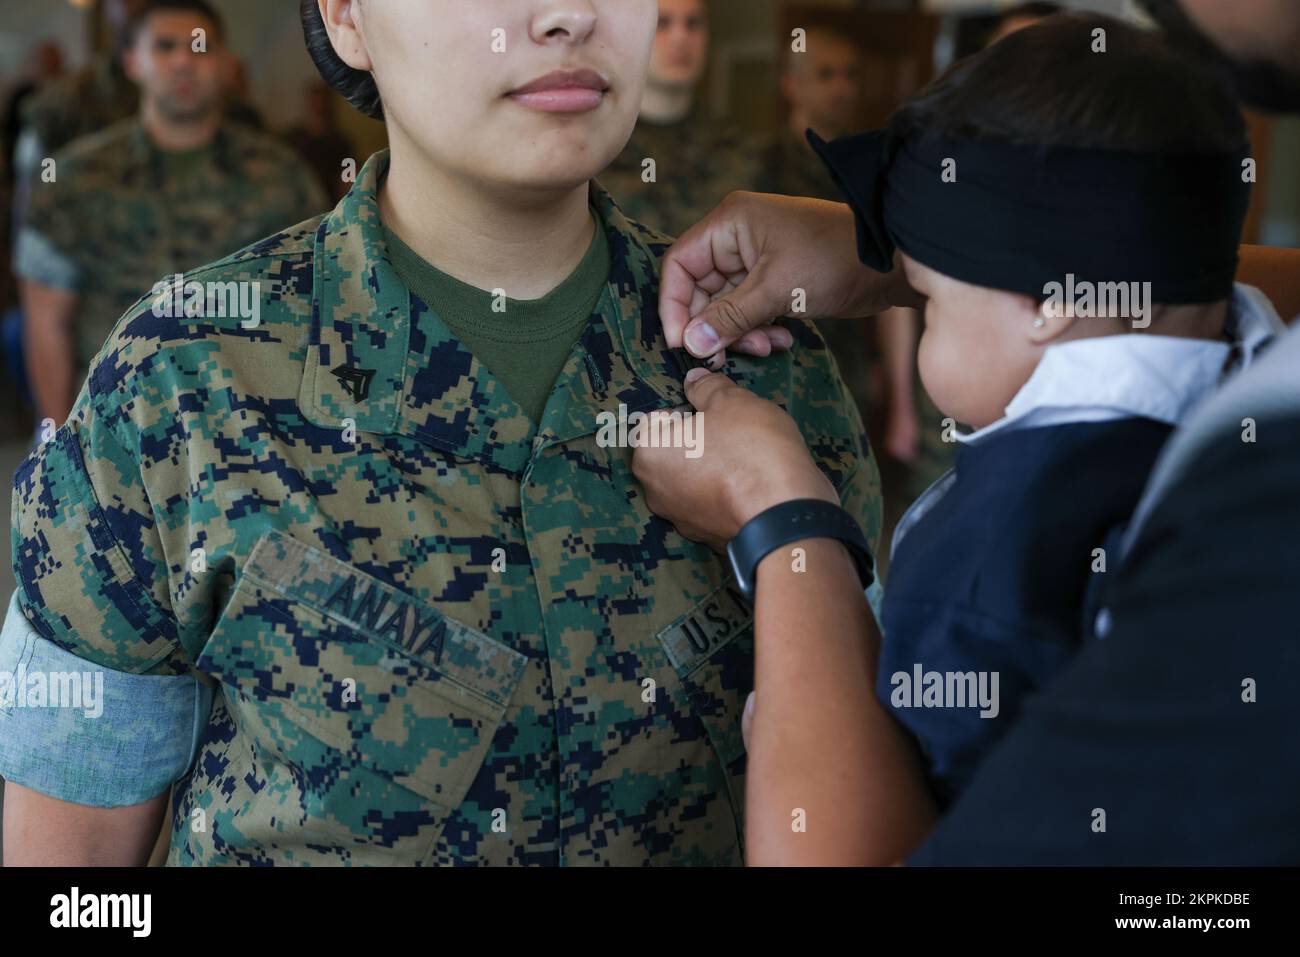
<point>439,633</point>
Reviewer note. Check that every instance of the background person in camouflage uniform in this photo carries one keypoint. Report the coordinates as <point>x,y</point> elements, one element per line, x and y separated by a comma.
<point>698,158</point>
<point>822,87</point>
<point>416,624</point>
<point>77,105</point>
<point>149,197</point>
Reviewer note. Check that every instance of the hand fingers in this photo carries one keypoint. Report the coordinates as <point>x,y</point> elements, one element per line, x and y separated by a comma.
<point>730,283</point>
<point>731,316</point>
<point>703,256</point>
<point>677,292</point>
<point>779,339</point>
<point>754,343</point>
<point>715,283</point>
<point>703,387</point>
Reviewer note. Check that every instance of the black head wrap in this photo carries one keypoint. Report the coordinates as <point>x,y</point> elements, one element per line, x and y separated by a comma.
<point>1020,217</point>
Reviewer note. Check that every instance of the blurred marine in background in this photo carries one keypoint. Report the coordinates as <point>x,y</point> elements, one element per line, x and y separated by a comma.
<point>81,103</point>
<point>822,86</point>
<point>681,161</point>
<point>160,192</point>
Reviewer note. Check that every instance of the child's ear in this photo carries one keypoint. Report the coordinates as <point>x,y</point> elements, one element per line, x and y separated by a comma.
<point>343,24</point>
<point>1041,322</point>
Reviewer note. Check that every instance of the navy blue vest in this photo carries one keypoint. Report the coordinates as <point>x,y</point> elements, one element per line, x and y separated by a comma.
<point>990,584</point>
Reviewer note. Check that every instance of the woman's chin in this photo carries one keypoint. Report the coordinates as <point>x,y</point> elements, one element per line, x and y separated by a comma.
<point>557,175</point>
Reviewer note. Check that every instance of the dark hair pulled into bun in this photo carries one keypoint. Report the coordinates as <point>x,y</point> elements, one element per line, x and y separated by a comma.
<point>356,86</point>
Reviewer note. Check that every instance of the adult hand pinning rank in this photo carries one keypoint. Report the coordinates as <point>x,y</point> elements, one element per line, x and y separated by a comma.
<point>843,769</point>
<point>756,258</point>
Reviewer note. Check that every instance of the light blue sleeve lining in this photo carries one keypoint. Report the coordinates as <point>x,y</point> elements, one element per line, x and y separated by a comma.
<point>86,734</point>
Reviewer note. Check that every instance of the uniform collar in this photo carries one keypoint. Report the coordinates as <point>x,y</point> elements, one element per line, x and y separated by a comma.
<point>380,359</point>
<point>1138,375</point>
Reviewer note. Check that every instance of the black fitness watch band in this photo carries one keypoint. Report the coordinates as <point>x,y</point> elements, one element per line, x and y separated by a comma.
<point>792,522</point>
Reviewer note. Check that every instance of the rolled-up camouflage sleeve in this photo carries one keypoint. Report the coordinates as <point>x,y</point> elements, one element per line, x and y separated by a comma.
<point>73,730</point>
<point>92,602</point>
<point>91,573</point>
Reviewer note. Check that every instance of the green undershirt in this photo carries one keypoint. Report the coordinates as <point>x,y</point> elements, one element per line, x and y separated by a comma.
<point>179,165</point>
<point>526,345</point>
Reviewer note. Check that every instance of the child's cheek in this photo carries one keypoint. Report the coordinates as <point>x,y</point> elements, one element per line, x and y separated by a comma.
<point>930,361</point>
<point>948,362</point>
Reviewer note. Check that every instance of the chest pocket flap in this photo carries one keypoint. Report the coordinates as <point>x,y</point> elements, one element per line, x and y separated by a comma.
<point>314,645</point>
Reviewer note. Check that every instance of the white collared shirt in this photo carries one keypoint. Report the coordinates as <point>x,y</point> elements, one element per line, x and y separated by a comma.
<point>1139,375</point>
<point>1122,376</point>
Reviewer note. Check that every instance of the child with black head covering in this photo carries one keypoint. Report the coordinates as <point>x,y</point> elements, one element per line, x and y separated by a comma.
<point>1070,201</point>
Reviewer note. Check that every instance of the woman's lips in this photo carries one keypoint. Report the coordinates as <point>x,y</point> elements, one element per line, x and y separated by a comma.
<point>569,100</point>
<point>577,91</point>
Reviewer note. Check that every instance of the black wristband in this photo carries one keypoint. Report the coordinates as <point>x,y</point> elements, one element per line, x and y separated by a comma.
<point>792,522</point>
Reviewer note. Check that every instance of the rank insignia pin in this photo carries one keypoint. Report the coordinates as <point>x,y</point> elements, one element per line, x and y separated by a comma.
<point>355,382</point>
